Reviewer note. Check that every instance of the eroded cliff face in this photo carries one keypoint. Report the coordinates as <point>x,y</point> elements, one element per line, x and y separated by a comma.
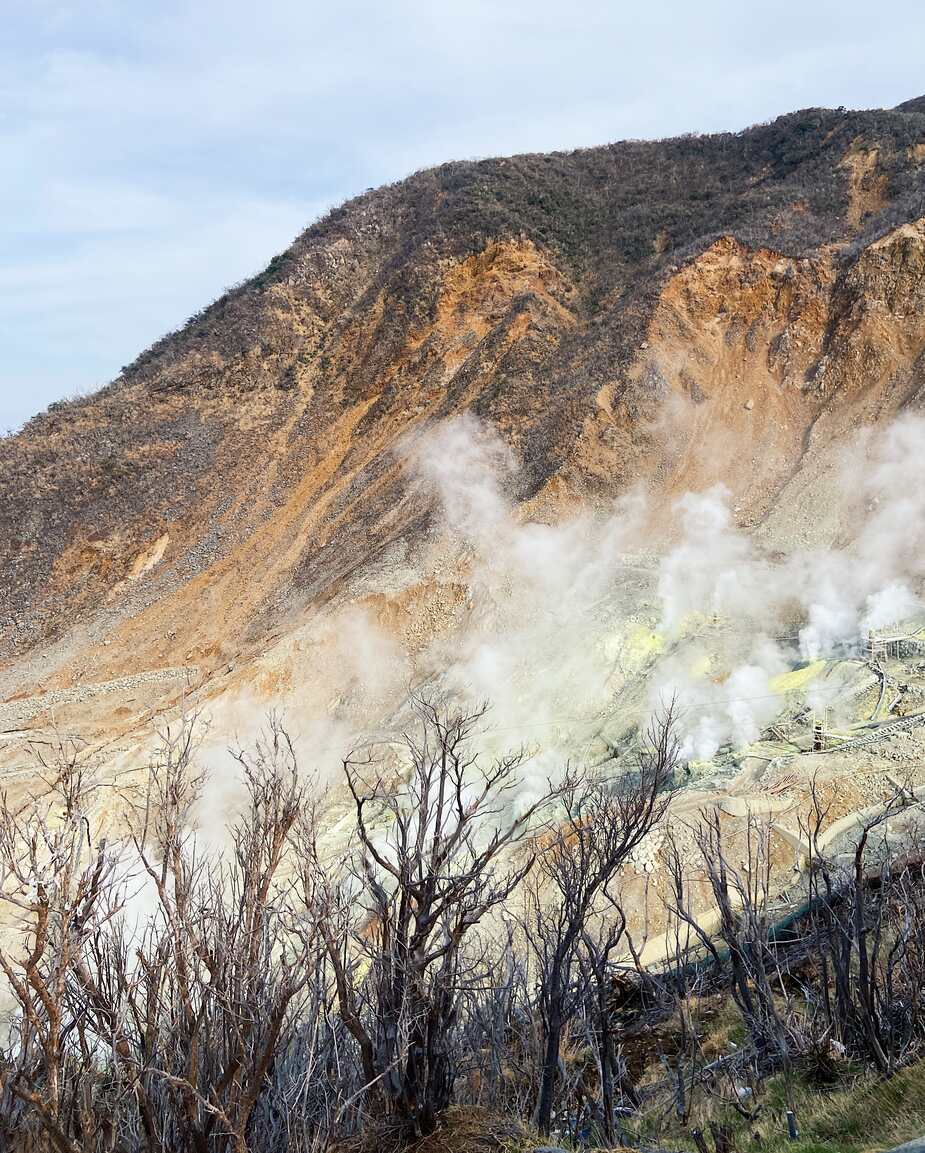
<point>169,538</point>
<point>765,361</point>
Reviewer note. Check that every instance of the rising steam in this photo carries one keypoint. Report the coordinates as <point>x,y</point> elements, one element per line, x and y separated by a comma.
<point>576,631</point>
<point>552,602</point>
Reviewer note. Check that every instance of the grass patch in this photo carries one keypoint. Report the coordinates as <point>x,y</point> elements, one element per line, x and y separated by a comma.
<point>862,1115</point>
<point>865,1117</point>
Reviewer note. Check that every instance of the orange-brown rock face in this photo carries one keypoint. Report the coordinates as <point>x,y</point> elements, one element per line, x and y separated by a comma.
<point>758,357</point>
<point>684,313</point>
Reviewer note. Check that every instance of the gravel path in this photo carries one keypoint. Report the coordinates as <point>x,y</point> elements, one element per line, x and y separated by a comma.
<point>16,713</point>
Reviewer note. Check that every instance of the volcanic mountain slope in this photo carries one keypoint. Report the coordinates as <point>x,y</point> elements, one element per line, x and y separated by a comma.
<point>681,312</point>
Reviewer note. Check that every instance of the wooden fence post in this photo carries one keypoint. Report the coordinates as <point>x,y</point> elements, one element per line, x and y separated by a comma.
<point>702,1146</point>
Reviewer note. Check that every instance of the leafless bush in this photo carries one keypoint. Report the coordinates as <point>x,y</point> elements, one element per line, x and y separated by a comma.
<point>433,860</point>
<point>866,957</point>
<point>603,821</point>
<point>265,994</point>
<point>57,888</point>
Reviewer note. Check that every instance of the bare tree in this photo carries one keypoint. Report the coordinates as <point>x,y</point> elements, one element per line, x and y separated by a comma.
<point>57,886</point>
<point>867,940</point>
<point>181,1017</point>
<point>603,822</point>
<point>435,857</point>
<point>685,978</point>
<point>608,991</point>
<point>222,958</point>
<point>742,897</point>
<point>498,1034</point>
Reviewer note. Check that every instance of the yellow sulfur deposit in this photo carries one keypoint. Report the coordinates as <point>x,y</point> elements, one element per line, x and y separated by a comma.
<point>796,679</point>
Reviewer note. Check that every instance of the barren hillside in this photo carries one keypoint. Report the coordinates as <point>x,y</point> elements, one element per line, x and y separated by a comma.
<point>723,308</point>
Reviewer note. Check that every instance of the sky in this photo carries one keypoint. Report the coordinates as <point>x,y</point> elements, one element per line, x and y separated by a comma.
<point>155,153</point>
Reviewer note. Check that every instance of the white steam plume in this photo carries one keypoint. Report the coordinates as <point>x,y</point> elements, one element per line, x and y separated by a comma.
<point>542,594</point>
<point>546,597</point>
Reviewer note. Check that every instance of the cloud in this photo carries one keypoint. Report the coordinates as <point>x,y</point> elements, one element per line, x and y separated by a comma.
<point>70,319</point>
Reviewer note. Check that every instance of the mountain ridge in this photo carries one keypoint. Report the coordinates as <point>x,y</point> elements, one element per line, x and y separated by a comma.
<point>614,313</point>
